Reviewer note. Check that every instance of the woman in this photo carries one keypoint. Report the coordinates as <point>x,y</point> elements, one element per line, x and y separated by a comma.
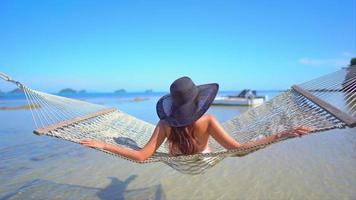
<point>184,125</point>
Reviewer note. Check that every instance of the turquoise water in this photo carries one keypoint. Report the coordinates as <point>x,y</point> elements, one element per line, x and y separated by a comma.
<point>319,166</point>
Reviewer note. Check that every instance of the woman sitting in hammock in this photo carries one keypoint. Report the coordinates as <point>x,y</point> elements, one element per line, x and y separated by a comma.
<point>185,126</point>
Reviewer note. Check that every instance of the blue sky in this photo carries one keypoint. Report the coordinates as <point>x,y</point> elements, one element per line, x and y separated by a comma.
<point>137,45</point>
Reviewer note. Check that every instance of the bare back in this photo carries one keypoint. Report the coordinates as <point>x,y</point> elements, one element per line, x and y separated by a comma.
<point>204,127</point>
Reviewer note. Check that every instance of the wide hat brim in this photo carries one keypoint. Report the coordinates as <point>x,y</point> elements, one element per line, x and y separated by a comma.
<point>185,114</point>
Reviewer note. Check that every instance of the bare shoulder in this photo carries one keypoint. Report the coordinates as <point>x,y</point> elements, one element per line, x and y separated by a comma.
<point>163,125</point>
<point>207,119</point>
<point>203,124</point>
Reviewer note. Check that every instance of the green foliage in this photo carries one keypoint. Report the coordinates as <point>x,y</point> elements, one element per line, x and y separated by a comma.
<point>353,61</point>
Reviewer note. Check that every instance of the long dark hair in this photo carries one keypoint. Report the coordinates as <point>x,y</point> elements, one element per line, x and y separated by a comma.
<point>181,140</point>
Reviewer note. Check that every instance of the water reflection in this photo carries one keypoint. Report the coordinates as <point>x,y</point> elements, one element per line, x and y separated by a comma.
<point>117,189</point>
<point>128,142</point>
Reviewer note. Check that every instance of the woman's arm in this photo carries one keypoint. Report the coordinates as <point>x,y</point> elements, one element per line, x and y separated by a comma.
<point>228,142</point>
<point>300,131</point>
<point>220,135</point>
<point>157,138</point>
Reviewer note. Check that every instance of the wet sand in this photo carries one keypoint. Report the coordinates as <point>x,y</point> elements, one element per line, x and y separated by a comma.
<point>22,107</point>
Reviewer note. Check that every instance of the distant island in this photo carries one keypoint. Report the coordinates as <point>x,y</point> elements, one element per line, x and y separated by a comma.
<point>67,91</point>
<point>149,91</point>
<point>138,99</point>
<point>16,91</point>
<point>120,91</point>
<point>71,91</point>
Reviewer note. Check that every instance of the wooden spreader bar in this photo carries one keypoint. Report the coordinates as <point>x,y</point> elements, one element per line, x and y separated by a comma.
<point>46,129</point>
<point>346,118</point>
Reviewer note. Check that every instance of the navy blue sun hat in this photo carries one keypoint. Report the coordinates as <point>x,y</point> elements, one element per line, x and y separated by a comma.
<point>186,102</point>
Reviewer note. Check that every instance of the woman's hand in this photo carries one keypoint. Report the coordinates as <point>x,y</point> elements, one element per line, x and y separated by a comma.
<point>93,143</point>
<point>297,132</point>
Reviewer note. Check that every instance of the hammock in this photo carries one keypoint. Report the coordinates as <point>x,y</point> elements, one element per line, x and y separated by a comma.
<point>321,104</point>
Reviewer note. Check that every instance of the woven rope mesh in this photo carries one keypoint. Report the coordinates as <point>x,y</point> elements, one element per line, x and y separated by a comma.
<point>288,110</point>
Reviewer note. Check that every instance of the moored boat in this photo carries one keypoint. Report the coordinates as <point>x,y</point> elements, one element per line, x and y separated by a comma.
<point>244,98</point>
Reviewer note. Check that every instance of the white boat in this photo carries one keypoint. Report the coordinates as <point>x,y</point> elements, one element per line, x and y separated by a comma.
<point>245,98</point>
<point>237,101</point>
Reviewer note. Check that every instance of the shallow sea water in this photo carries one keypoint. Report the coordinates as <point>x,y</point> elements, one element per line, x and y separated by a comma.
<point>318,166</point>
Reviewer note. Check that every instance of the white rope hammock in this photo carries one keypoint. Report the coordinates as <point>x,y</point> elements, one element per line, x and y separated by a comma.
<point>321,104</point>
